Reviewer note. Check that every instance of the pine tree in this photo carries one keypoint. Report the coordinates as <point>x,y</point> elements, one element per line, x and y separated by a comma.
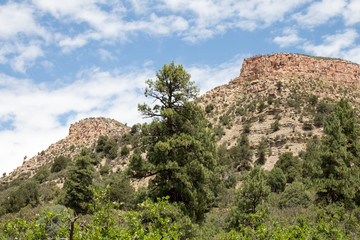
<point>77,185</point>
<point>338,164</point>
<point>181,151</point>
<point>253,192</point>
<point>241,153</point>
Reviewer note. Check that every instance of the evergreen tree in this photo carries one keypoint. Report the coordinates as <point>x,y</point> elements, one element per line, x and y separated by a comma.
<point>253,192</point>
<point>276,180</point>
<point>336,167</point>
<point>290,165</point>
<point>261,152</point>
<point>241,153</point>
<point>77,185</point>
<point>181,151</point>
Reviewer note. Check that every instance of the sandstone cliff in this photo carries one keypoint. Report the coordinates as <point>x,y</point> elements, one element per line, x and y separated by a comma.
<point>265,66</point>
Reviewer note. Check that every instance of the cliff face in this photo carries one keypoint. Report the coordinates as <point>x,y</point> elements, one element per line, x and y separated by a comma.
<point>264,66</point>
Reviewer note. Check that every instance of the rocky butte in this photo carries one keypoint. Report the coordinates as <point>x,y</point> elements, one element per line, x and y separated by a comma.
<point>280,64</point>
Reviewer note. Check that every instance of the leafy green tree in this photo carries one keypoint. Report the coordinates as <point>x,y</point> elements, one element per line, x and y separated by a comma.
<point>42,174</point>
<point>276,179</point>
<point>26,194</point>
<point>60,163</point>
<point>121,190</point>
<point>181,150</point>
<point>336,167</point>
<point>295,195</point>
<point>77,185</point>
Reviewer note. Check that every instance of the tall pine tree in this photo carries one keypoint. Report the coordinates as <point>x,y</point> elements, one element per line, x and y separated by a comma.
<point>78,194</point>
<point>181,151</point>
<point>336,167</point>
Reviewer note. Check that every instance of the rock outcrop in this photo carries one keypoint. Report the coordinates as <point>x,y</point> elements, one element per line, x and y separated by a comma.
<point>265,66</point>
<point>81,134</point>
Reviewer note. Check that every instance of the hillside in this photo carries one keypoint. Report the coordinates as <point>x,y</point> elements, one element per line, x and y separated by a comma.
<point>285,85</point>
<point>273,154</point>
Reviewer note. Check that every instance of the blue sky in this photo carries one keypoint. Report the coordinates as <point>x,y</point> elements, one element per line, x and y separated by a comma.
<point>62,61</point>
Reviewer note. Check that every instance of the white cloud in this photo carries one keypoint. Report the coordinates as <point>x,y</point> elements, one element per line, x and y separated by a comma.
<point>290,37</point>
<point>105,55</point>
<point>17,19</point>
<point>351,13</point>
<point>333,44</point>
<point>340,45</point>
<point>207,77</point>
<point>35,109</point>
<point>28,54</point>
<point>20,56</point>
<point>320,12</point>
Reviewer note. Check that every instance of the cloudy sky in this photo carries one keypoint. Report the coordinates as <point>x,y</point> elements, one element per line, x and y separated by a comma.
<point>62,61</point>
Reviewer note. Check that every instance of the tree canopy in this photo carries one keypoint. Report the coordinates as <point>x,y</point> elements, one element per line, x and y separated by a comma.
<point>181,150</point>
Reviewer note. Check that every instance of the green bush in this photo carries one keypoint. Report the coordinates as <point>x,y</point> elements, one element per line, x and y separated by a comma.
<point>42,175</point>
<point>307,126</point>
<point>26,194</point>
<point>209,108</point>
<point>60,163</point>
<point>295,195</point>
<point>124,151</point>
<point>290,165</point>
<point>275,126</point>
<point>276,179</point>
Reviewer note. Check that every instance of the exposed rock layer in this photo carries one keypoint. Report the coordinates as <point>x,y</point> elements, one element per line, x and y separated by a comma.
<point>264,66</point>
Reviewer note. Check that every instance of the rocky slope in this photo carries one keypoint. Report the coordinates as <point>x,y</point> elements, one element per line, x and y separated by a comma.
<point>84,133</point>
<point>280,87</point>
<point>290,88</point>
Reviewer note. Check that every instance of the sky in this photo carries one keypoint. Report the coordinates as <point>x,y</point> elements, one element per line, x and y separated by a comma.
<point>63,61</point>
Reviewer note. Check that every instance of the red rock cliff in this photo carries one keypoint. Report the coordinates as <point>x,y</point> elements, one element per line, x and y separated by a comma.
<point>263,66</point>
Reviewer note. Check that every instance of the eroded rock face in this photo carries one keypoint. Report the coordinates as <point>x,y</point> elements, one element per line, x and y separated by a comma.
<point>92,128</point>
<point>264,66</point>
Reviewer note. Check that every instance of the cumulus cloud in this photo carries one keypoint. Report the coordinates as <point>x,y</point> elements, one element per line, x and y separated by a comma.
<point>320,12</point>
<point>333,45</point>
<point>340,45</point>
<point>289,38</point>
<point>208,77</point>
<point>35,109</point>
<point>351,13</point>
<point>18,19</point>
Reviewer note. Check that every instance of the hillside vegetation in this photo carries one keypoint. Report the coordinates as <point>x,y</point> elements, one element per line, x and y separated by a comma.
<point>271,158</point>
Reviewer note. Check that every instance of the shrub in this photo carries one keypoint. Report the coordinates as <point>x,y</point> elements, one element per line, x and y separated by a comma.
<point>105,170</point>
<point>209,108</point>
<point>246,128</point>
<point>276,180</point>
<point>60,163</point>
<point>319,120</point>
<point>275,126</point>
<point>124,151</point>
<point>26,194</point>
<point>295,195</point>
<point>307,126</point>
<point>42,174</point>
<point>290,165</point>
